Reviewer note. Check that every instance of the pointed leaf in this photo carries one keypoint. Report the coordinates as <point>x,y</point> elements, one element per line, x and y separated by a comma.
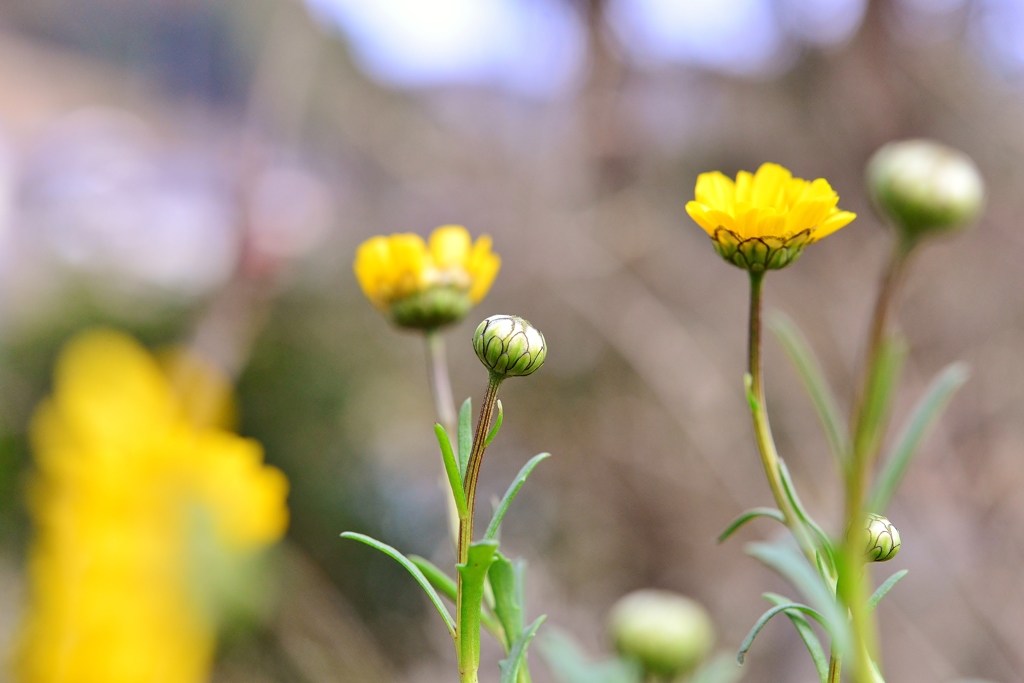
<point>809,369</point>
<point>792,566</point>
<point>473,574</point>
<point>924,415</point>
<point>517,655</point>
<point>451,468</point>
<point>507,604</point>
<point>807,634</point>
<point>721,669</point>
<point>517,483</point>
<point>412,569</point>
<point>465,435</point>
<point>496,426</point>
<point>882,590</point>
<point>789,488</point>
<point>753,513</point>
<point>766,617</point>
<point>438,579</point>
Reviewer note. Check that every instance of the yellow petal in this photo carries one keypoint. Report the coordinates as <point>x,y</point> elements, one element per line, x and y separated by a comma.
<point>371,266</point>
<point>808,213</point>
<point>769,186</point>
<point>820,189</point>
<point>715,190</point>
<point>746,221</point>
<point>449,246</point>
<point>699,213</point>
<point>744,186</point>
<point>410,263</point>
<point>483,268</point>
<point>771,223</point>
<point>837,220</point>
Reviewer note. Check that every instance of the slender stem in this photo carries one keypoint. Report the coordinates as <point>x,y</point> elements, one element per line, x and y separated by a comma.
<point>835,666</point>
<point>440,381</point>
<point>467,671</point>
<point>763,429</point>
<point>444,408</point>
<point>892,278</point>
<point>476,456</point>
<point>851,588</point>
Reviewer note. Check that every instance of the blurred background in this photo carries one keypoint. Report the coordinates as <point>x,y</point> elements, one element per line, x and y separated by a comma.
<point>200,170</point>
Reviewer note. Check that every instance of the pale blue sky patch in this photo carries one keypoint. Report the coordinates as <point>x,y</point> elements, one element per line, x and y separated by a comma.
<point>533,47</point>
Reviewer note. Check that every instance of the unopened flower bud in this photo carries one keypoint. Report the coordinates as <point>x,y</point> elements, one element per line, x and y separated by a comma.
<point>882,540</point>
<point>509,346</point>
<point>669,635</point>
<point>924,188</point>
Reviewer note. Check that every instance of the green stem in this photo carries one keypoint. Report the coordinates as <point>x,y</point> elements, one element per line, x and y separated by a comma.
<point>476,456</point>
<point>835,666</point>
<point>444,408</point>
<point>762,427</point>
<point>852,589</point>
<point>469,662</point>
<point>892,278</point>
<point>440,381</point>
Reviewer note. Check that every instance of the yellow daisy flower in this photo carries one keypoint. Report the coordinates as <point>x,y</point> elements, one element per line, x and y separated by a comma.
<point>144,508</point>
<point>426,285</point>
<point>763,221</point>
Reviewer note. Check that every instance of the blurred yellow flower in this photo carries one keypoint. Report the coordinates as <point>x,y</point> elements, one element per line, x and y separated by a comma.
<point>135,484</point>
<point>763,221</point>
<point>426,285</point>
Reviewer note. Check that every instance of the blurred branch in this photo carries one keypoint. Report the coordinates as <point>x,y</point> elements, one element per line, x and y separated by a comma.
<point>319,632</point>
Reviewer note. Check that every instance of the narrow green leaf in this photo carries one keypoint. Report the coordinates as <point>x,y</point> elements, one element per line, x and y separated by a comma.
<point>437,578</point>
<point>507,605</point>
<point>473,574</point>
<point>517,483</point>
<point>792,566</point>
<point>886,586</point>
<point>809,369</point>
<point>465,435</point>
<point>517,655</point>
<point>570,664</point>
<point>721,669</point>
<point>753,513</point>
<point>924,415</point>
<point>882,381</point>
<point>766,617</point>
<point>807,634</point>
<point>412,569</point>
<point>496,426</point>
<point>451,468</point>
<point>789,488</point>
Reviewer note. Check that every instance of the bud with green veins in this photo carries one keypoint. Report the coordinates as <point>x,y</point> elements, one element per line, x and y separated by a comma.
<point>509,346</point>
<point>925,188</point>
<point>882,540</point>
<point>668,634</point>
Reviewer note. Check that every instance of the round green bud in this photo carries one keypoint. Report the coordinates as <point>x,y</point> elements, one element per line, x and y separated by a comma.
<point>925,188</point>
<point>509,346</point>
<point>882,540</point>
<point>669,635</point>
<point>431,308</point>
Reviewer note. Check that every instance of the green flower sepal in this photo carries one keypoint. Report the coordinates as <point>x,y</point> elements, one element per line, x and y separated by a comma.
<point>758,254</point>
<point>431,308</point>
